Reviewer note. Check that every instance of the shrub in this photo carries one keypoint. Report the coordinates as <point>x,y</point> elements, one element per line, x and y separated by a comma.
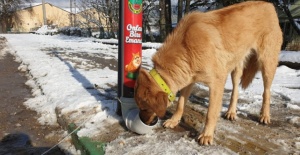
<point>75,31</point>
<point>294,45</point>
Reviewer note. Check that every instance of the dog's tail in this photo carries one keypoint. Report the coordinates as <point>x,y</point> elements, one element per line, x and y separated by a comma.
<point>251,67</point>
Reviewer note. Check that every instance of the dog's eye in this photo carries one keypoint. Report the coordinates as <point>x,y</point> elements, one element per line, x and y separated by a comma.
<point>142,109</point>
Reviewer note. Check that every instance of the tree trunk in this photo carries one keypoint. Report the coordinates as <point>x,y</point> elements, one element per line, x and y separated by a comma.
<point>290,17</point>
<point>180,6</point>
<point>162,20</point>
<point>3,27</point>
<point>6,21</point>
<point>168,17</point>
<point>187,6</point>
<point>150,32</point>
<point>110,19</point>
<point>5,24</point>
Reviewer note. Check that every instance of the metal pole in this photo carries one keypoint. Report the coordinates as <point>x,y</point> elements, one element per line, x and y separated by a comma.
<point>120,56</point>
<point>44,12</point>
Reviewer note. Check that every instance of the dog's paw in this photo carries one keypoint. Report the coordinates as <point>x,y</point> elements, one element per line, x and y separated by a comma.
<point>170,123</point>
<point>230,116</point>
<point>205,139</point>
<point>265,119</point>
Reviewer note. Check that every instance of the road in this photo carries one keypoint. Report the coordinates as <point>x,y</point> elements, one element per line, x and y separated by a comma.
<point>20,132</point>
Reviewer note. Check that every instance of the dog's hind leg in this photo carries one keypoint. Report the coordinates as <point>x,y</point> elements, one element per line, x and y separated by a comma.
<point>175,119</point>
<point>235,78</point>
<point>268,59</point>
<point>268,71</point>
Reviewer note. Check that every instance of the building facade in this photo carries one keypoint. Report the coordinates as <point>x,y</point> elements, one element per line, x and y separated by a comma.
<point>31,18</point>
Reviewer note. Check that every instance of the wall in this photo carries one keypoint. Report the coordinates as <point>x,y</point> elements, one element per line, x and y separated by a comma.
<point>31,18</point>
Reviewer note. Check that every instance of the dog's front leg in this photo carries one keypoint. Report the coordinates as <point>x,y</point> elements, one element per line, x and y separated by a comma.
<point>213,113</point>
<point>175,119</point>
<point>235,77</point>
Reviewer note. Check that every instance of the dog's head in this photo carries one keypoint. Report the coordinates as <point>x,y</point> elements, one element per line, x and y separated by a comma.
<point>150,98</point>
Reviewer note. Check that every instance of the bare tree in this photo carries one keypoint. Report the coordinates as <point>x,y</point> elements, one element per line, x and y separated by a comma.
<point>89,16</point>
<point>162,19</point>
<point>187,6</point>
<point>150,14</point>
<point>7,10</point>
<point>168,17</point>
<point>111,13</point>
<point>284,5</point>
<point>102,13</point>
<point>180,10</point>
<point>165,21</point>
<point>281,4</point>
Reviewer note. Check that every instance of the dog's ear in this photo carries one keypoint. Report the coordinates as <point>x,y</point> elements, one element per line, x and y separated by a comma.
<point>145,74</point>
<point>160,103</point>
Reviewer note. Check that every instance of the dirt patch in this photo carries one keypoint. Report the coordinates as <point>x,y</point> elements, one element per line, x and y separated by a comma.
<point>83,60</point>
<point>246,135</point>
<point>243,136</point>
<point>20,131</point>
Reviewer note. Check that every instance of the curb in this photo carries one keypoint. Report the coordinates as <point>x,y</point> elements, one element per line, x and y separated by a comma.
<point>85,144</point>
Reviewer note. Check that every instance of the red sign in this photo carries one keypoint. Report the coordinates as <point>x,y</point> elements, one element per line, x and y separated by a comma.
<point>132,40</point>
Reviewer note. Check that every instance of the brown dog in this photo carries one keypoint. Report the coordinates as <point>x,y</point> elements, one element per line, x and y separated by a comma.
<point>205,47</point>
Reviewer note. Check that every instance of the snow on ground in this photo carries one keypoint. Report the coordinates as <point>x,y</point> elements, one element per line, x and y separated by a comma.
<point>290,56</point>
<point>60,83</point>
<point>286,84</point>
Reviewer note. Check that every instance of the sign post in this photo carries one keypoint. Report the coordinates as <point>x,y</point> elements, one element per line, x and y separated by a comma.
<point>130,48</point>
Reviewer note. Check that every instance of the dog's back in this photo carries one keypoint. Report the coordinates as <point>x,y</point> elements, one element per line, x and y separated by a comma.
<point>229,36</point>
<point>252,27</point>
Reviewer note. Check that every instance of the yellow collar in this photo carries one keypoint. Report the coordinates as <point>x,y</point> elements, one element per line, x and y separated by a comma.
<point>162,84</point>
